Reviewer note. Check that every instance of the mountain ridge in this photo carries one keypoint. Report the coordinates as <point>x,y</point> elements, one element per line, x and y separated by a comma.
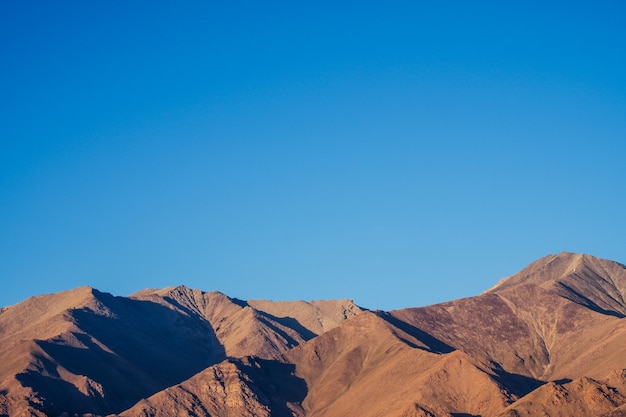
<point>548,340</point>
<point>596,283</point>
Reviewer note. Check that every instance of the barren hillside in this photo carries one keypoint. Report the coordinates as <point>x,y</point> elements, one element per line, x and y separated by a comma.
<point>549,340</point>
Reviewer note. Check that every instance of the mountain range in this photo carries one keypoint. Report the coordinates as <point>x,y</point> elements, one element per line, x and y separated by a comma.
<point>547,341</point>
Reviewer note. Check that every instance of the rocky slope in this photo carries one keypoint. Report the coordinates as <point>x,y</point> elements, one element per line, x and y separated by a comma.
<point>84,351</point>
<point>549,340</point>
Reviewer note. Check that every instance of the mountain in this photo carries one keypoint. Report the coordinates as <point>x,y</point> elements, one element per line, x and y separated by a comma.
<point>84,351</point>
<point>549,340</point>
<point>595,283</point>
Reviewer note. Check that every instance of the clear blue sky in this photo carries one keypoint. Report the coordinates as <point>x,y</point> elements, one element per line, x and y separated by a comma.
<point>400,154</point>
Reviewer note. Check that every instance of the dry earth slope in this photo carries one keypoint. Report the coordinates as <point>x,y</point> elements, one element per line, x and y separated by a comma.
<point>84,352</point>
<point>549,340</point>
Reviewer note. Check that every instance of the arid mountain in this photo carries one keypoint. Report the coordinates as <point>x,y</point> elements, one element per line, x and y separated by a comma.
<point>591,282</point>
<point>259,328</point>
<point>84,351</point>
<point>548,341</point>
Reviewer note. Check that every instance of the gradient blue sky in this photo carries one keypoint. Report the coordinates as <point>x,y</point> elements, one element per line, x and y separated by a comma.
<point>400,154</point>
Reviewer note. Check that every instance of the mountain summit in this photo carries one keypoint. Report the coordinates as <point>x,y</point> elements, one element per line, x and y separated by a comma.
<point>592,282</point>
<point>549,340</point>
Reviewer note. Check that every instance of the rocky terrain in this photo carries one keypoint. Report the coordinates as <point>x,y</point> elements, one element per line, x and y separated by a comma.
<point>547,341</point>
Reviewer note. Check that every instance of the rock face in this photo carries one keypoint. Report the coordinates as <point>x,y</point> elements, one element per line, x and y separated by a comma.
<point>549,340</point>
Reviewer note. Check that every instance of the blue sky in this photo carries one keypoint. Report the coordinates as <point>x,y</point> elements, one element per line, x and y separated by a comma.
<point>400,154</point>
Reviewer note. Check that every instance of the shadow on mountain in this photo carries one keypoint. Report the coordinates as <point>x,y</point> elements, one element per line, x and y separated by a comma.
<point>289,322</point>
<point>562,381</point>
<point>434,345</point>
<point>578,298</point>
<point>276,384</point>
<point>516,384</point>
<point>130,349</point>
<point>240,303</point>
<point>60,396</point>
<point>3,400</point>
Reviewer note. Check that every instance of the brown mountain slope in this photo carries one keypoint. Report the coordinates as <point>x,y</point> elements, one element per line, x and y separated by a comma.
<point>255,328</point>
<point>582,397</point>
<point>549,340</point>
<point>526,331</point>
<point>236,387</point>
<point>240,329</point>
<point>530,327</point>
<point>551,296</point>
<point>369,367</point>
<point>578,341</point>
<point>365,367</point>
<point>595,283</point>
<point>43,316</point>
<point>316,316</point>
<point>85,351</point>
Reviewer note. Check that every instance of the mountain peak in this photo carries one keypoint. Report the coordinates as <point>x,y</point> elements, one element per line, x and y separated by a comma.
<point>596,283</point>
<point>545,340</point>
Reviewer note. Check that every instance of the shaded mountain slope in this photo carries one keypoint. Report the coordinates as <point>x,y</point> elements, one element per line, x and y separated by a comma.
<point>236,387</point>
<point>84,351</point>
<point>369,367</point>
<point>103,353</point>
<point>592,282</point>
<point>240,329</point>
<point>549,340</point>
<point>316,316</point>
<point>581,397</point>
<point>529,326</point>
<point>255,328</point>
